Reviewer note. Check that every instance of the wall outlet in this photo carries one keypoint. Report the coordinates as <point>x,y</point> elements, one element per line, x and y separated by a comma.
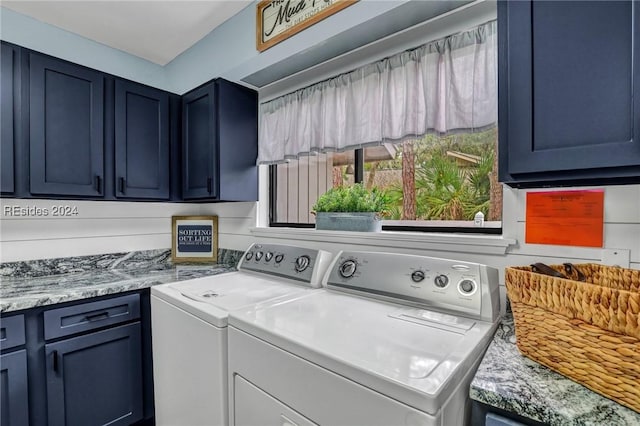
<point>616,257</point>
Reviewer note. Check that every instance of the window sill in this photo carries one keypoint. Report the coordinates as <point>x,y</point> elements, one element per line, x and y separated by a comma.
<point>461,243</point>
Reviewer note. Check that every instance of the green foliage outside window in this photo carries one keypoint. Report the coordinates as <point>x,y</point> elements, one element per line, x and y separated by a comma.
<point>444,189</point>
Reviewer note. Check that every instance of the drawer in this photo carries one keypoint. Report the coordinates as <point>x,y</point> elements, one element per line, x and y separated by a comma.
<point>11,331</point>
<point>89,316</point>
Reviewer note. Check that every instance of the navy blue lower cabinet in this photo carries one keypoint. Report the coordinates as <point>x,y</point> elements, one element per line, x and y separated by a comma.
<point>566,114</point>
<point>66,122</point>
<point>96,379</point>
<point>141,141</point>
<point>14,407</point>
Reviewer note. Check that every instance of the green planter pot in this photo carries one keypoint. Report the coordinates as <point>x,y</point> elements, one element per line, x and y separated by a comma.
<point>359,222</point>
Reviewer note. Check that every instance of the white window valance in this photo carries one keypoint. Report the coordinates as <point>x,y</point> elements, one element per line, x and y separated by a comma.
<point>444,86</point>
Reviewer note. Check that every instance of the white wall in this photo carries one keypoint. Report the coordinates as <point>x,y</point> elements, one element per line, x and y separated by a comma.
<point>111,227</point>
<point>621,237</point>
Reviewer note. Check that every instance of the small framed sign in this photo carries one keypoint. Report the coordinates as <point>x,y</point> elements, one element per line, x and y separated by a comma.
<point>194,238</point>
<point>277,20</point>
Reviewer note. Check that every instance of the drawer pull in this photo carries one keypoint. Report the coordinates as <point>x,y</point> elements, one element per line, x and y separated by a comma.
<point>55,361</point>
<point>97,317</point>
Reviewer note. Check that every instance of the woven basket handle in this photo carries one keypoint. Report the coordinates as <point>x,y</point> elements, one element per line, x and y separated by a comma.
<point>572,270</point>
<point>541,268</point>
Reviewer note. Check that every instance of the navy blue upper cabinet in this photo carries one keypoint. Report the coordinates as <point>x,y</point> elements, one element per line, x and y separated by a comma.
<point>569,84</point>
<point>199,130</point>
<point>141,141</point>
<point>6,115</point>
<point>237,142</point>
<point>66,121</point>
<point>220,142</point>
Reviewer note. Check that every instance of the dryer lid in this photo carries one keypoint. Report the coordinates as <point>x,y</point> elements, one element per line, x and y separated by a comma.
<point>417,358</point>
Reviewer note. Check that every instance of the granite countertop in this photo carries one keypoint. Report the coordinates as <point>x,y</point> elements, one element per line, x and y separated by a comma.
<point>508,380</point>
<point>46,282</point>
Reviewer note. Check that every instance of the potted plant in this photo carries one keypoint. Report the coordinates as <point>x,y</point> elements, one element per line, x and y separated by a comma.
<point>351,208</point>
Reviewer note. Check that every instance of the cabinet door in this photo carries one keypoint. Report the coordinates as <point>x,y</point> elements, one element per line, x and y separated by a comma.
<point>95,379</point>
<point>66,128</point>
<point>237,142</point>
<point>570,89</point>
<point>142,141</point>
<point>6,117</point>
<point>199,150</point>
<point>14,409</point>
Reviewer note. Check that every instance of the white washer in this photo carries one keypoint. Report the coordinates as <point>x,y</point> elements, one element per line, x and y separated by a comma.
<point>189,328</point>
<point>393,340</point>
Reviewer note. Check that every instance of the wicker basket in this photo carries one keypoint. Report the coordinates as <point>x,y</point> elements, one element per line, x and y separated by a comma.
<point>588,331</point>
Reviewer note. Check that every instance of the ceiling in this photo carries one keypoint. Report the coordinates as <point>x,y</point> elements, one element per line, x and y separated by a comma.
<point>154,30</point>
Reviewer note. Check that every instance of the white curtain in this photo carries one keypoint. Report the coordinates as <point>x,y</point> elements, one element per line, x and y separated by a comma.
<point>445,86</point>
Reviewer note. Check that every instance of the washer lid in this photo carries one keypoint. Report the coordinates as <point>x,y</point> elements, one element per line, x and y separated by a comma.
<point>211,298</point>
<point>412,355</point>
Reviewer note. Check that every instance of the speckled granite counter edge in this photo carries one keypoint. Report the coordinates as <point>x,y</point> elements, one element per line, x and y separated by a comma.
<point>508,380</point>
<point>109,261</point>
<point>115,273</point>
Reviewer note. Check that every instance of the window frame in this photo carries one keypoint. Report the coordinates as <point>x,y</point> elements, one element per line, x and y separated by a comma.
<point>359,177</point>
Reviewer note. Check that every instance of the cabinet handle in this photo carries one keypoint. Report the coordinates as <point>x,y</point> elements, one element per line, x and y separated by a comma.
<point>209,185</point>
<point>95,317</point>
<point>122,181</point>
<point>55,361</point>
<point>98,184</point>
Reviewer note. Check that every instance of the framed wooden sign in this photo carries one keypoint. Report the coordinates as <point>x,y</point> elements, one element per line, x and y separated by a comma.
<point>194,238</point>
<point>277,20</point>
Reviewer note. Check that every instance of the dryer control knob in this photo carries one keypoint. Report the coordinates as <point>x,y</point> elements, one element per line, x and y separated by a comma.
<point>302,263</point>
<point>259,255</point>
<point>417,276</point>
<point>467,286</point>
<point>348,268</point>
<point>268,256</point>
<point>279,258</point>
<point>441,281</point>
<point>249,255</point>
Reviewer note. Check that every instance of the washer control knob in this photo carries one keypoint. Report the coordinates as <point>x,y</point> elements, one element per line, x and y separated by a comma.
<point>467,286</point>
<point>259,255</point>
<point>279,258</point>
<point>417,276</point>
<point>302,263</point>
<point>441,281</point>
<point>268,256</point>
<point>348,268</point>
<point>249,255</point>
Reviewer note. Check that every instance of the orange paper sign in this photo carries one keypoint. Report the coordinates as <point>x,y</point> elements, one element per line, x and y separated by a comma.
<point>568,218</point>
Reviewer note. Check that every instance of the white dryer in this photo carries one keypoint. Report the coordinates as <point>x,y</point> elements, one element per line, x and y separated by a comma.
<point>189,328</point>
<point>393,340</point>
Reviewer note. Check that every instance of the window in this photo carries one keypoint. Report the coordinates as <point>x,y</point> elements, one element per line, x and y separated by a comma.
<point>449,180</point>
<point>419,125</point>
